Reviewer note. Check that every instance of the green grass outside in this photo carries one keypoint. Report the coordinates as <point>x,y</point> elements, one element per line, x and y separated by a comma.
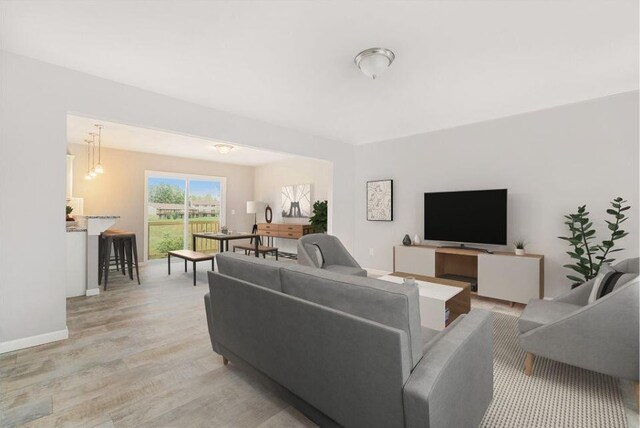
<point>165,235</point>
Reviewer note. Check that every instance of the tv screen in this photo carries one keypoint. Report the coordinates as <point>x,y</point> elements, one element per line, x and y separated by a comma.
<point>474,216</point>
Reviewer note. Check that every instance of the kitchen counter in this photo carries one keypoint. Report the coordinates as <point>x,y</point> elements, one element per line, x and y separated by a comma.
<point>82,253</point>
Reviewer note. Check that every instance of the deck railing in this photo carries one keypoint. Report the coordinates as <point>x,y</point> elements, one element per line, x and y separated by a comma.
<point>174,229</point>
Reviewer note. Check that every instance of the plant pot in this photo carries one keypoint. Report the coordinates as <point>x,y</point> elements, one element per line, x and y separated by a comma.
<point>520,252</point>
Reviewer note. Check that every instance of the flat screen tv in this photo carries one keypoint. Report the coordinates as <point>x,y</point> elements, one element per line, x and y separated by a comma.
<point>473,216</point>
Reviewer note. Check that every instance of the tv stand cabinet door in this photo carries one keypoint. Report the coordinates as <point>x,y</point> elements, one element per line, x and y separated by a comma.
<point>415,260</point>
<point>510,278</point>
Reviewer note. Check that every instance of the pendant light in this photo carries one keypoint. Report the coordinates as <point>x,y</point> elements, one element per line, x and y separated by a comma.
<point>99,168</point>
<point>92,143</point>
<point>88,175</point>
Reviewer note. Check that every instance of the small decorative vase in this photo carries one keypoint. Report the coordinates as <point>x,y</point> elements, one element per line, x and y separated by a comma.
<point>520,252</point>
<point>406,240</point>
<point>416,239</point>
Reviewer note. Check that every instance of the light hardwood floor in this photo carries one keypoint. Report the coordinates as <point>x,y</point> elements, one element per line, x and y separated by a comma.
<point>141,356</point>
<point>136,356</point>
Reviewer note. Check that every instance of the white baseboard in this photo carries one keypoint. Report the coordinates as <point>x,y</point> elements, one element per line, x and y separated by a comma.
<point>377,272</point>
<point>27,342</point>
<point>92,291</point>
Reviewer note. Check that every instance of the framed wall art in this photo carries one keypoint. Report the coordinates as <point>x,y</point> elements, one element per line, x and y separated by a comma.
<point>380,200</point>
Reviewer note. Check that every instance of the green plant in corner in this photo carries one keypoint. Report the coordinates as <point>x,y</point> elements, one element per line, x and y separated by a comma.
<point>319,218</point>
<point>69,211</point>
<point>589,256</point>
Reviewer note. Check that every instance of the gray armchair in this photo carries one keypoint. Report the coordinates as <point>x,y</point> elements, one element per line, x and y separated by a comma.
<point>601,336</point>
<point>334,255</point>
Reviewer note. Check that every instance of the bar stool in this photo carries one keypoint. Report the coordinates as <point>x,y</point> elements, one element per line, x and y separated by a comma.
<point>116,260</point>
<point>126,250</point>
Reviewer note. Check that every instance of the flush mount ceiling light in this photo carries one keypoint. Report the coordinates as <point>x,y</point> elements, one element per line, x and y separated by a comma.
<point>374,61</point>
<point>223,149</point>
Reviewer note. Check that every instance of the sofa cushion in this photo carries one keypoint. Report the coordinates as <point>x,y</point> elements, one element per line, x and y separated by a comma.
<point>346,270</point>
<point>541,312</point>
<point>251,269</point>
<point>394,305</point>
<point>608,279</point>
<point>315,253</point>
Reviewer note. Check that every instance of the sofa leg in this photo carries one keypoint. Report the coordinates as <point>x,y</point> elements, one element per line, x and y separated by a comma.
<point>225,361</point>
<point>528,363</point>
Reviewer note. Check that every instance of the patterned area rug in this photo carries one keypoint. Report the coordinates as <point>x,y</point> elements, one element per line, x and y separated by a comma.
<point>555,396</point>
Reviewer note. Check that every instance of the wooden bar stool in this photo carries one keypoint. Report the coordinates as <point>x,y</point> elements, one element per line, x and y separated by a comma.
<point>124,244</point>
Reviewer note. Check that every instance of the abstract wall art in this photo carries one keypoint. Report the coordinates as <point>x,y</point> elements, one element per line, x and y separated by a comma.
<point>380,200</point>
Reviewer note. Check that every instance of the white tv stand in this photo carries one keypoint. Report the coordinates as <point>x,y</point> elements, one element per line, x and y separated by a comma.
<point>499,275</point>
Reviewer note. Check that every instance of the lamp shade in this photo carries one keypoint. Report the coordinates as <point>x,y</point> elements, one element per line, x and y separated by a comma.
<point>253,207</point>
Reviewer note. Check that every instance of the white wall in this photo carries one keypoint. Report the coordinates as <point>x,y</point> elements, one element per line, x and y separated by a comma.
<point>270,178</point>
<point>551,161</point>
<point>34,101</point>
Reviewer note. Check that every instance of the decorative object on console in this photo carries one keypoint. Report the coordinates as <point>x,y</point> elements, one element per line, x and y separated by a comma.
<point>319,218</point>
<point>69,211</point>
<point>416,239</point>
<point>380,200</point>
<point>268,214</point>
<point>406,240</point>
<point>224,230</point>
<point>520,244</point>
<point>589,256</point>
<point>296,201</point>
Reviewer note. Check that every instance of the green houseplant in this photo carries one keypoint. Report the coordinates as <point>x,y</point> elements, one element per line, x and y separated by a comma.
<point>520,244</point>
<point>588,254</point>
<point>319,217</point>
<point>69,211</point>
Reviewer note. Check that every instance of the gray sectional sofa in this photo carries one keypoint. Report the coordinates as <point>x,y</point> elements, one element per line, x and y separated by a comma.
<point>346,350</point>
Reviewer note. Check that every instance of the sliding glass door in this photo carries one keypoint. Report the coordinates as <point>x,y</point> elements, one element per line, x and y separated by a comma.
<point>176,206</point>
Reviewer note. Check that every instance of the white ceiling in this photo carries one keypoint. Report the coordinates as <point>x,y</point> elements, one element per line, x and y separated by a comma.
<point>133,138</point>
<point>291,63</point>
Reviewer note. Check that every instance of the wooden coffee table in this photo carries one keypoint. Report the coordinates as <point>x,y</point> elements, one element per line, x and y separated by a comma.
<point>437,295</point>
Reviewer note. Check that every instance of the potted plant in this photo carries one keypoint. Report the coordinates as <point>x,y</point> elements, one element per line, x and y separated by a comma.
<point>588,255</point>
<point>70,220</point>
<point>224,230</point>
<point>520,244</point>
<point>319,217</point>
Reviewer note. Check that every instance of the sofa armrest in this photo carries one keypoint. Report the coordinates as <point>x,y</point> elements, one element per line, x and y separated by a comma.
<point>602,336</point>
<point>579,295</point>
<point>207,307</point>
<point>456,369</point>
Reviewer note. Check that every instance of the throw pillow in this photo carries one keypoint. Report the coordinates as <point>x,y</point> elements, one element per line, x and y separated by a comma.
<point>316,254</point>
<point>608,280</point>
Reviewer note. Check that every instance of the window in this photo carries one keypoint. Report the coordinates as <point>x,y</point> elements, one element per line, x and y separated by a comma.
<point>176,206</point>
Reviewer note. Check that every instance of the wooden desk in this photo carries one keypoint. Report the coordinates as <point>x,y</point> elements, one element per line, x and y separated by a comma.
<point>224,239</point>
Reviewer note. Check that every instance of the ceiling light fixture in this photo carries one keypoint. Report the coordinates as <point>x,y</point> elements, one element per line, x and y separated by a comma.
<point>99,168</point>
<point>223,149</point>
<point>374,61</point>
<point>88,175</point>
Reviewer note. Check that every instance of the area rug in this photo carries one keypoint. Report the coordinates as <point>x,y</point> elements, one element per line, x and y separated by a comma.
<point>555,396</point>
